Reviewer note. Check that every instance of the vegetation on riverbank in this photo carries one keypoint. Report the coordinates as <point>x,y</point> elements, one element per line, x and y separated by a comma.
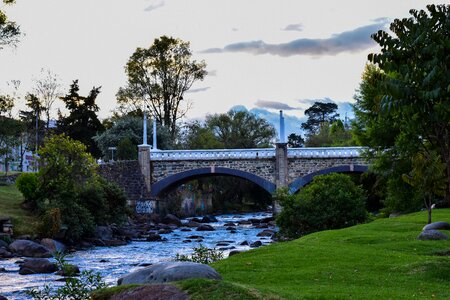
<point>379,260</point>
<point>10,205</point>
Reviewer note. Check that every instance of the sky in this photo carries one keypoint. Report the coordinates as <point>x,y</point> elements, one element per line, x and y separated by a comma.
<point>261,55</point>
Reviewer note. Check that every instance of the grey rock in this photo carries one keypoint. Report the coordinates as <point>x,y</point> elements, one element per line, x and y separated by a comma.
<point>3,298</point>
<point>234,252</point>
<point>256,244</point>
<point>4,253</point>
<point>244,243</point>
<point>53,245</point>
<point>432,235</point>
<point>209,219</point>
<point>3,244</point>
<point>103,233</point>
<point>266,232</point>
<point>228,224</point>
<point>395,215</point>
<point>37,266</point>
<point>168,272</point>
<point>114,243</point>
<point>205,227</point>
<point>171,219</point>
<point>192,224</point>
<point>29,249</point>
<point>154,237</point>
<point>437,226</point>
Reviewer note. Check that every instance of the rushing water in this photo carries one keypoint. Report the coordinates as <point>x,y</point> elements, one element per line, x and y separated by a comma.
<point>114,262</point>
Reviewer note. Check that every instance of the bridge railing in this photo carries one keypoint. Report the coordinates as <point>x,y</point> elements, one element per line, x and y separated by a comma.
<point>215,154</point>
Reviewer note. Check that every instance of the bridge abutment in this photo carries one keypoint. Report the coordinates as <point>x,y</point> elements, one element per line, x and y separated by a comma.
<point>144,164</point>
<point>281,171</point>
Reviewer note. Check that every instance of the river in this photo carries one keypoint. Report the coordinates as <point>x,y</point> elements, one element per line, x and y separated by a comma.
<point>114,262</point>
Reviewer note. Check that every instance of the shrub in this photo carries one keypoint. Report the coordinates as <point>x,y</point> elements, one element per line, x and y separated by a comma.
<point>202,254</point>
<point>27,184</point>
<point>329,202</point>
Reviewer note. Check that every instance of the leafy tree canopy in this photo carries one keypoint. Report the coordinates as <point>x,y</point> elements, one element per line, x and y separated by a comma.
<point>318,114</point>
<point>158,77</point>
<point>9,30</point>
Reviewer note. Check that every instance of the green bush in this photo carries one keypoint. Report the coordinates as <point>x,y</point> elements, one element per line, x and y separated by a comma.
<point>126,150</point>
<point>27,184</point>
<point>202,255</point>
<point>328,202</point>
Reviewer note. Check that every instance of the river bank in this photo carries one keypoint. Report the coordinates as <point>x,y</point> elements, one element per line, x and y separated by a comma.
<point>114,262</point>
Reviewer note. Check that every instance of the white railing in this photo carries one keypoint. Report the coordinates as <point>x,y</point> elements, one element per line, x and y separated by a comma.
<point>325,152</point>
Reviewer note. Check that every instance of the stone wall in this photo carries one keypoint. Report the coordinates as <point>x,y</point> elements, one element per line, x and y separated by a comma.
<point>127,174</point>
<point>299,167</point>
<point>263,167</point>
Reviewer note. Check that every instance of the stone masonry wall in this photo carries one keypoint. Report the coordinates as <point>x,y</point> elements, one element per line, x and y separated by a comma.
<point>299,167</point>
<point>127,174</point>
<point>264,168</point>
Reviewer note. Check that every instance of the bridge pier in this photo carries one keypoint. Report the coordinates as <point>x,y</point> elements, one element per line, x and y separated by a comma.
<point>144,163</point>
<point>281,171</point>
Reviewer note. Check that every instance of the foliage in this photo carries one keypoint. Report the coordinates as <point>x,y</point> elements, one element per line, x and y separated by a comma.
<point>160,75</point>
<point>68,270</point>
<point>130,127</point>
<point>68,182</point>
<point>126,150</point>
<point>34,127</point>
<point>317,114</point>
<point>9,30</point>
<point>27,184</point>
<point>295,140</point>
<point>51,222</point>
<point>240,130</point>
<point>345,263</point>
<point>428,178</point>
<point>199,136</point>
<point>328,202</point>
<point>10,137</point>
<point>202,255</point>
<point>74,288</point>
<point>82,123</point>
<point>415,87</point>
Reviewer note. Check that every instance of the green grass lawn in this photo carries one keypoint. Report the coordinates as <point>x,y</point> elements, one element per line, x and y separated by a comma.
<point>10,200</point>
<point>378,260</point>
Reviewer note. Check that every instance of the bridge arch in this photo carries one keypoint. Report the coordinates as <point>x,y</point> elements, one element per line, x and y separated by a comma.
<point>178,178</point>
<point>302,181</point>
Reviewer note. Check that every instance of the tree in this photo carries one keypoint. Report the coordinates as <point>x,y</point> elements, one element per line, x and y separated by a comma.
<point>9,31</point>
<point>82,123</point>
<point>295,140</point>
<point>427,177</point>
<point>416,84</point>
<point>130,127</point>
<point>47,89</point>
<point>317,114</point>
<point>158,77</point>
<point>241,130</point>
<point>10,130</point>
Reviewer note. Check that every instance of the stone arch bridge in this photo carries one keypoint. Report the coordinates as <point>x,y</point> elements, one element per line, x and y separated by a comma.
<point>160,170</point>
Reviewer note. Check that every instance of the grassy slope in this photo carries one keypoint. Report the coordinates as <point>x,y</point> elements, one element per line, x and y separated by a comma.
<point>10,200</point>
<point>379,260</point>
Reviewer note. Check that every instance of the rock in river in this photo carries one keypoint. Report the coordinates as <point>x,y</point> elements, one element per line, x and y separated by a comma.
<point>169,271</point>
<point>37,265</point>
<point>205,227</point>
<point>29,249</point>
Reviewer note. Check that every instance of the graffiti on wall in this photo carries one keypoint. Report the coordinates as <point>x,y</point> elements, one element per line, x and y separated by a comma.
<point>145,207</point>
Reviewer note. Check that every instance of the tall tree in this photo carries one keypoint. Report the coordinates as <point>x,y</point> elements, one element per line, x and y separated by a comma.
<point>82,123</point>
<point>319,113</point>
<point>10,130</point>
<point>241,129</point>
<point>158,77</point>
<point>47,88</point>
<point>9,30</point>
<point>416,63</point>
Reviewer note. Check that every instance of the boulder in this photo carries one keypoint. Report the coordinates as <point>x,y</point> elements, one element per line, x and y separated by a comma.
<point>103,233</point>
<point>165,231</point>
<point>185,229</point>
<point>205,227</point>
<point>228,224</point>
<point>196,220</point>
<point>432,235</point>
<point>437,226</point>
<point>169,271</point>
<point>193,224</point>
<point>244,243</point>
<point>209,219</point>
<point>29,249</point>
<point>53,245</point>
<point>152,292</point>
<point>171,219</point>
<point>154,237</point>
<point>3,298</point>
<point>266,232</point>
<point>4,253</point>
<point>245,222</point>
<point>37,266</point>
<point>256,244</point>
<point>114,243</point>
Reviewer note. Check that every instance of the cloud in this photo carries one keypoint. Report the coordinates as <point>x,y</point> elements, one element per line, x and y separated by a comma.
<point>198,90</point>
<point>294,27</point>
<point>312,101</point>
<point>155,5</point>
<point>273,105</point>
<point>347,41</point>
